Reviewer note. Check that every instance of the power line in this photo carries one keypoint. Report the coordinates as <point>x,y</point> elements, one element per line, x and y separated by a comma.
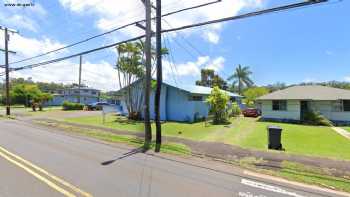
<point>109,32</point>
<point>247,15</point>
<point>186,41</point>
<point>251,14</point>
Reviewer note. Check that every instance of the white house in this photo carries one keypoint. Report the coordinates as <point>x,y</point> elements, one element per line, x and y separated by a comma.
<point>291,103</point>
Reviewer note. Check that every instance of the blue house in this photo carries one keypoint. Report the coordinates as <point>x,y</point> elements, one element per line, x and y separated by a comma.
<point>184,103</point>
<point>87,96</point>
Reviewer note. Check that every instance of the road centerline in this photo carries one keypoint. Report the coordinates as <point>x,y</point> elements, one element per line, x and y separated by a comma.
<point>7,155</point>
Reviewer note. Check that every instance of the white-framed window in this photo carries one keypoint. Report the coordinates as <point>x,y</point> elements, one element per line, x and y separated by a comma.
<point>341,106</point>
<point>279,105</point>
<point>337,106</point>
<point>346,105</point>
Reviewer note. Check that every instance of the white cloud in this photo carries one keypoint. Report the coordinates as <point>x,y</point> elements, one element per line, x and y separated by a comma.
<point>212,37</point>
<point>112,13</point>
<point>22,17</point>
<point>192,69</point>
<point>217,64</point>
<point>27,47</point>
<point>99,75</point>
<point>347,79</point>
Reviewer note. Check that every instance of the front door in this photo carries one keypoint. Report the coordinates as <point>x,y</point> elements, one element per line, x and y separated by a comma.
<point>304,107</point>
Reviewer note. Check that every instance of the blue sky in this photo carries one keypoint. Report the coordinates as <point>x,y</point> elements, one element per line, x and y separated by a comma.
<point>303,45</point>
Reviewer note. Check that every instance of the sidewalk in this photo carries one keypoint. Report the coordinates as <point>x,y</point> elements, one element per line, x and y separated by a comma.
<point>342,132</point>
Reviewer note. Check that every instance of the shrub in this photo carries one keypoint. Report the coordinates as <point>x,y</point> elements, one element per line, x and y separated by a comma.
<point>235,110</point>
<point>315,118</point>
<point>72,106</point>
<point>218,105</point>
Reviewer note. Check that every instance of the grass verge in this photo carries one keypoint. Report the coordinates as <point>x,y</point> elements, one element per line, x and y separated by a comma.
<point>288,170</point>
<point>302,173</point>
<point>173,148</point>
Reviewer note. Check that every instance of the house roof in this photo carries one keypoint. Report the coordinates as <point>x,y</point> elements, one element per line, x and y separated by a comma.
<point>195,89</point>
<point>309,92</point>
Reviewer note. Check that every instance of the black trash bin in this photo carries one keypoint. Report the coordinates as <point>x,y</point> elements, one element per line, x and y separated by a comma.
<point>274,136</point>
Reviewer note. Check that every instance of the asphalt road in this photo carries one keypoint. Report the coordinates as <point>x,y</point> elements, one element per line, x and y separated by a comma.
<point>36,162</point>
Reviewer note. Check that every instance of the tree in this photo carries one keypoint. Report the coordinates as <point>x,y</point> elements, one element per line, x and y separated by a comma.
<point>251,94</point>
<point>241,76</point>
<point>276,86</point>
<point>218,104</point>
<point>29,94</point>
<point>130,68</point>
<point>24,94</point>
<point>210,79</point>
<point>41,99</point>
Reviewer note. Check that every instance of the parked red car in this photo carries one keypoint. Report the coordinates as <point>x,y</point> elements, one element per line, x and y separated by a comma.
<point>251,112</point>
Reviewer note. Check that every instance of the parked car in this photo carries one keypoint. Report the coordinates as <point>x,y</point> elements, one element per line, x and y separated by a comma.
<point>97,105</point>
<point>251,112</point>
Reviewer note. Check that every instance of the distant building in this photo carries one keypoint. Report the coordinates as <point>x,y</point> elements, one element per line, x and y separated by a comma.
<point>87,96</point>
<point>184,103</point>
<point>293,103</point>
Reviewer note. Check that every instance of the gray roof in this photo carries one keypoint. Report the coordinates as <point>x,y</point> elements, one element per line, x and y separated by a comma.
<point>309,92</point>
<point>195,89</point>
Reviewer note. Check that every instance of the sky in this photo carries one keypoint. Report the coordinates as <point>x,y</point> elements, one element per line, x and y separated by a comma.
<point>309,44</point>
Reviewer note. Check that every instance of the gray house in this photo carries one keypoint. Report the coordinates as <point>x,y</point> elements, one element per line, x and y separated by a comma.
<point>184,103</point>
<point>291,103</point>
<point>87,96</point>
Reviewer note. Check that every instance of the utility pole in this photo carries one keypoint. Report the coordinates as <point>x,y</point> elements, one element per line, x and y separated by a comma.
<point>7,69</point>
<point>148,64</point>
<point>159,74</point>
<point>79,84</point>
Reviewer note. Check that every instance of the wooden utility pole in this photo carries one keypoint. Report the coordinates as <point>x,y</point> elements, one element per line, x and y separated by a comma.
<point>148,64</point>
<point>7,69</point>
<point>79,87</point>
<point>159,74</point>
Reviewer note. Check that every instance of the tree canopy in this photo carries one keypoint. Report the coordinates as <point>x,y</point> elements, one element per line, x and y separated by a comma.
<point>241,78</point>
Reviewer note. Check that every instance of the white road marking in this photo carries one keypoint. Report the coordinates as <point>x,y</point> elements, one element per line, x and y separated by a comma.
<point>248,194</point>
<point>269,188</point>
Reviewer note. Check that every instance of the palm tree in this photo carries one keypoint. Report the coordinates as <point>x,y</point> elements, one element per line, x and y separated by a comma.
<point>242,77</point>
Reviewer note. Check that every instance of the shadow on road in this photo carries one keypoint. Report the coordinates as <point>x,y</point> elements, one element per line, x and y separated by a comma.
<point>128,154</point>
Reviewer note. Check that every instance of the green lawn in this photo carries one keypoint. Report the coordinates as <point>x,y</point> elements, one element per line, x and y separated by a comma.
<point>194,131</point>
<point>244,132</point>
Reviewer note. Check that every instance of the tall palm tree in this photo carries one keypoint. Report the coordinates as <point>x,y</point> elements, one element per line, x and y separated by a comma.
<point>241,76</point>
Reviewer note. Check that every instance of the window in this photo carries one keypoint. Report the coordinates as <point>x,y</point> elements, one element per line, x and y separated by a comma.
<point>346,105</point>
<point>76,92</point>
<point>196,98</point>
<point>337,106</point>
<point>279,105</point>
<point>93,92</point>
<point>86,91</point>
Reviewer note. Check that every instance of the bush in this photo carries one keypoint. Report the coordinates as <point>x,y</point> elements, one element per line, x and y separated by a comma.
<point>218,105</point>
<point>315,118</point>
<point>72,106</point>
<point>235,110</point>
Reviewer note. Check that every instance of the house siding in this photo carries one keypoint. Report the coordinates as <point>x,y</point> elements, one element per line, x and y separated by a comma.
<point>292,112</point>
<point>326,109</point>
<point>181,109</point>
